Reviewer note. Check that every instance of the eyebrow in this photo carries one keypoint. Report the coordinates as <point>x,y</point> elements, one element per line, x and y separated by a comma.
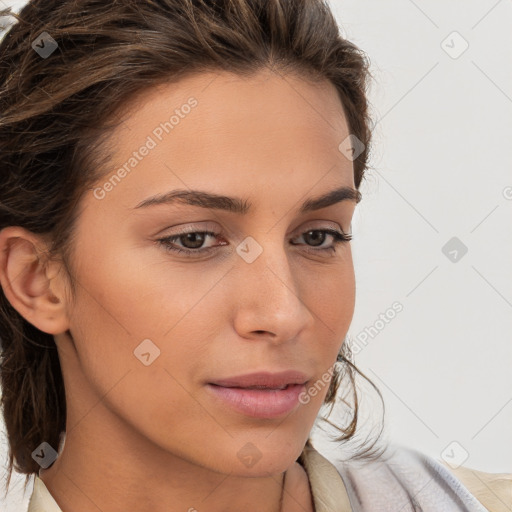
<point>242,206</point>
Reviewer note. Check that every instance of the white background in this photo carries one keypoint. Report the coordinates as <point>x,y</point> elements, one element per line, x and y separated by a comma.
<point>441,167</point>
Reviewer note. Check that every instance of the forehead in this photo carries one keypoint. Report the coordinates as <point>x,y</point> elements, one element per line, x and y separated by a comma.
<point>229,131</point>
<point>229,108</point>
<point>263,92</point>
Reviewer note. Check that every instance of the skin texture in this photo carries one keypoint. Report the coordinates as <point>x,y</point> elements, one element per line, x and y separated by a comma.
<point>151,438</point>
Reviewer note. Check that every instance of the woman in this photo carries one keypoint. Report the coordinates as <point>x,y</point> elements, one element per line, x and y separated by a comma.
<point>179,179</point>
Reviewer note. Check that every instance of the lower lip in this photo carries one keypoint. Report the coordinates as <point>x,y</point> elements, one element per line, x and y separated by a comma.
<point>260,403</point>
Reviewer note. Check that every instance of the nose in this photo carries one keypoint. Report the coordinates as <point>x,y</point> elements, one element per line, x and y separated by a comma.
<point>270,303</point>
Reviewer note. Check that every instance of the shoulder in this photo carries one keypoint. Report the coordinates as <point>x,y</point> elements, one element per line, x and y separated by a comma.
<point>405,479</point>
<point>493,490</point>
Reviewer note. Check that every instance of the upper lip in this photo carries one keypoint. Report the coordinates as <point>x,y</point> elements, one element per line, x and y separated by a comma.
<point>265,379</point>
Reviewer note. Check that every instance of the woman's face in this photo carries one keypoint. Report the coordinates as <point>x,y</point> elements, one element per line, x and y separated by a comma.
<point>152,328</point>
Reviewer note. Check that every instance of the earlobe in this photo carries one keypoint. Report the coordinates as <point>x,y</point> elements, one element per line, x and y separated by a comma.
<point>28,280</point>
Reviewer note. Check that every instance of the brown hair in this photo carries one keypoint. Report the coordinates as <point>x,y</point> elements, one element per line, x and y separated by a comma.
<point>56,110</point>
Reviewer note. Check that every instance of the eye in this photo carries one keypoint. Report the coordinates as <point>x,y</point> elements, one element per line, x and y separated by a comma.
<point>190,238</point>
<point>338,237</point>
<point>192,243</point>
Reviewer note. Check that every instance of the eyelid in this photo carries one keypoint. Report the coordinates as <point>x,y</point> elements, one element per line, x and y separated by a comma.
<point>221,231</point>
<point>191,228</point>
<point>322,225</point>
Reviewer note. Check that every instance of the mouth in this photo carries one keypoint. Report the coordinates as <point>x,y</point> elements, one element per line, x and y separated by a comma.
<point>263,380</point>
<point>266,388</point>
<point>258,401</point>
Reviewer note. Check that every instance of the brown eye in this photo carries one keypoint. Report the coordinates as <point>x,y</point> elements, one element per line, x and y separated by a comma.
<point>191,242</point>
<point>317,240</point>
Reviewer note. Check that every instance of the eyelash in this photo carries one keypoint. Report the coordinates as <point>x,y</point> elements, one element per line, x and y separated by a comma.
<point>339,238</point>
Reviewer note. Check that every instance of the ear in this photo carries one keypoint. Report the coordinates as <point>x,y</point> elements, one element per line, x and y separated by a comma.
<point>30,281</point>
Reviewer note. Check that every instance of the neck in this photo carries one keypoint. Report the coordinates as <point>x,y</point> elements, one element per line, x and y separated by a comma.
<point>94,476</point>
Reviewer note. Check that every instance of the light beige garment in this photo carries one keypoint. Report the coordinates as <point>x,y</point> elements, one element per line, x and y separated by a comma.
<point>41,500</point>
<point>493,490</point>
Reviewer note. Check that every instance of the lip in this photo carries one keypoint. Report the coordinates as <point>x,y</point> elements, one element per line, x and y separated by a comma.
<point>270,402</point>
<point>267,379</point>
<point>259,403</point>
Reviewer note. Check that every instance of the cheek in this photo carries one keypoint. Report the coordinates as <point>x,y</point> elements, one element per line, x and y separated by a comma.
<point>330,295</point>
<point>123,301</point>
<point>182,310</point>
<point>332,302</point>
<point>120,309</point>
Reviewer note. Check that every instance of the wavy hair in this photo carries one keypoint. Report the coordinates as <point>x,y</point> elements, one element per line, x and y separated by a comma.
<point>55,112</point>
